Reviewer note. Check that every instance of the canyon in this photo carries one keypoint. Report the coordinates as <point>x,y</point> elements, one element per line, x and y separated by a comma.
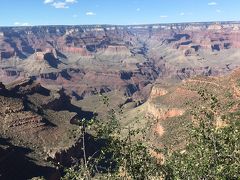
<point>51,77</point>
<point>86,60</point>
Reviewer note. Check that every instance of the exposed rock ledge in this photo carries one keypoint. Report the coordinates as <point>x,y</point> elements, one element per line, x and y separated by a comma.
<point>163,113</point>
<point>158,91</point>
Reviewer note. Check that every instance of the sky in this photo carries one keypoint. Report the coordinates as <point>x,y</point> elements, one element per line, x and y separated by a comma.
<point>117,12</point>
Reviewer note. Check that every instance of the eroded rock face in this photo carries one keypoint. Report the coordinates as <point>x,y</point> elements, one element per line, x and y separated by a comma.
<point>76,50</point>
<point>85,40</point>
<point>16,121</point>
<point>86,60</point>
<point>158,91</point>
<point>35,118</point>
<point>161,113</point>
<point>22,122</point>
<point>42,56</point>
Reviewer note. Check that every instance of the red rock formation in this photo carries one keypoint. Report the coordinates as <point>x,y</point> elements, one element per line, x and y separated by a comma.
<point>158,91</point>
<point>161,113</point>
<point>39,56</point>
<point>76,50</point>
<point>74,40</point>
<point>125,50</point>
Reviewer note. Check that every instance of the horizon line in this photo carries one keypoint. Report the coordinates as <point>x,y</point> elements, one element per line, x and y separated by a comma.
<point>123,25</point>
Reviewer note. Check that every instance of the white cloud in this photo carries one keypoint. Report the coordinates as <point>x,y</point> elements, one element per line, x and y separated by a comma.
<point>60,5</point>
<point>218,10</point>
<point>212,4</point>
<point>138,9</point>
<point>90,14</point>
<point>21,24</point>
<point>48,1</point>
<point>163,16</point>
<point>182,14</point>
<point>71,1</point>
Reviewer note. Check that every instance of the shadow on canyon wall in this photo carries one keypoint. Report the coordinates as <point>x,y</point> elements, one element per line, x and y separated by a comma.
<point>16,165</point>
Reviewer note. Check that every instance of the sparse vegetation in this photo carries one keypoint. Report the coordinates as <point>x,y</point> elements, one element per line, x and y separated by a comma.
<point>238,82</point>
<point>212,151</point>
<point>122,156</point>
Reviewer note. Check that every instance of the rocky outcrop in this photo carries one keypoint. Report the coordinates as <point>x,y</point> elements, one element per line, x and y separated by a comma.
<point>76,50</point>
<point>15,121</point>
<point>43,55</point>
<point>157,91</point>
<point>40,120</point>
<point>15,117</point>
<point>39,56</point>
<point>159,130</point>
<point>161,113</point>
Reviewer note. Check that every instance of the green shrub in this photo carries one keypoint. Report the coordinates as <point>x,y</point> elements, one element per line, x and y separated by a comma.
<point>212,152</point>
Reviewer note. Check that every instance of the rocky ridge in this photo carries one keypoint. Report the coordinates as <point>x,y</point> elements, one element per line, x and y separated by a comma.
<point>71,55</point>
<point>41,120</point>
<point>169,106</point>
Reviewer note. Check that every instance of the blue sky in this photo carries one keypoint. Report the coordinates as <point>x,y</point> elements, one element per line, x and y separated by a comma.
<point>71,12</point>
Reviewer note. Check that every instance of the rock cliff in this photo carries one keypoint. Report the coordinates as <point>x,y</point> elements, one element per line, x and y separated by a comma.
<point>34,117</point>
<point>76,57</point>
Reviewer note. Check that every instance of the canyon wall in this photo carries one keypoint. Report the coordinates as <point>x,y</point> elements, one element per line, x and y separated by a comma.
<point>91,59</point>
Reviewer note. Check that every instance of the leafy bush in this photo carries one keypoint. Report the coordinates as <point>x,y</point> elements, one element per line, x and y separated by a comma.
<point>121,157</point>
<point>212,151</point>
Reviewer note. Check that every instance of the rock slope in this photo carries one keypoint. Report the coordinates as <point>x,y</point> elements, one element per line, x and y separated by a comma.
<point>86,60</point>
<point>33,117</point>
<point>170,107</point>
